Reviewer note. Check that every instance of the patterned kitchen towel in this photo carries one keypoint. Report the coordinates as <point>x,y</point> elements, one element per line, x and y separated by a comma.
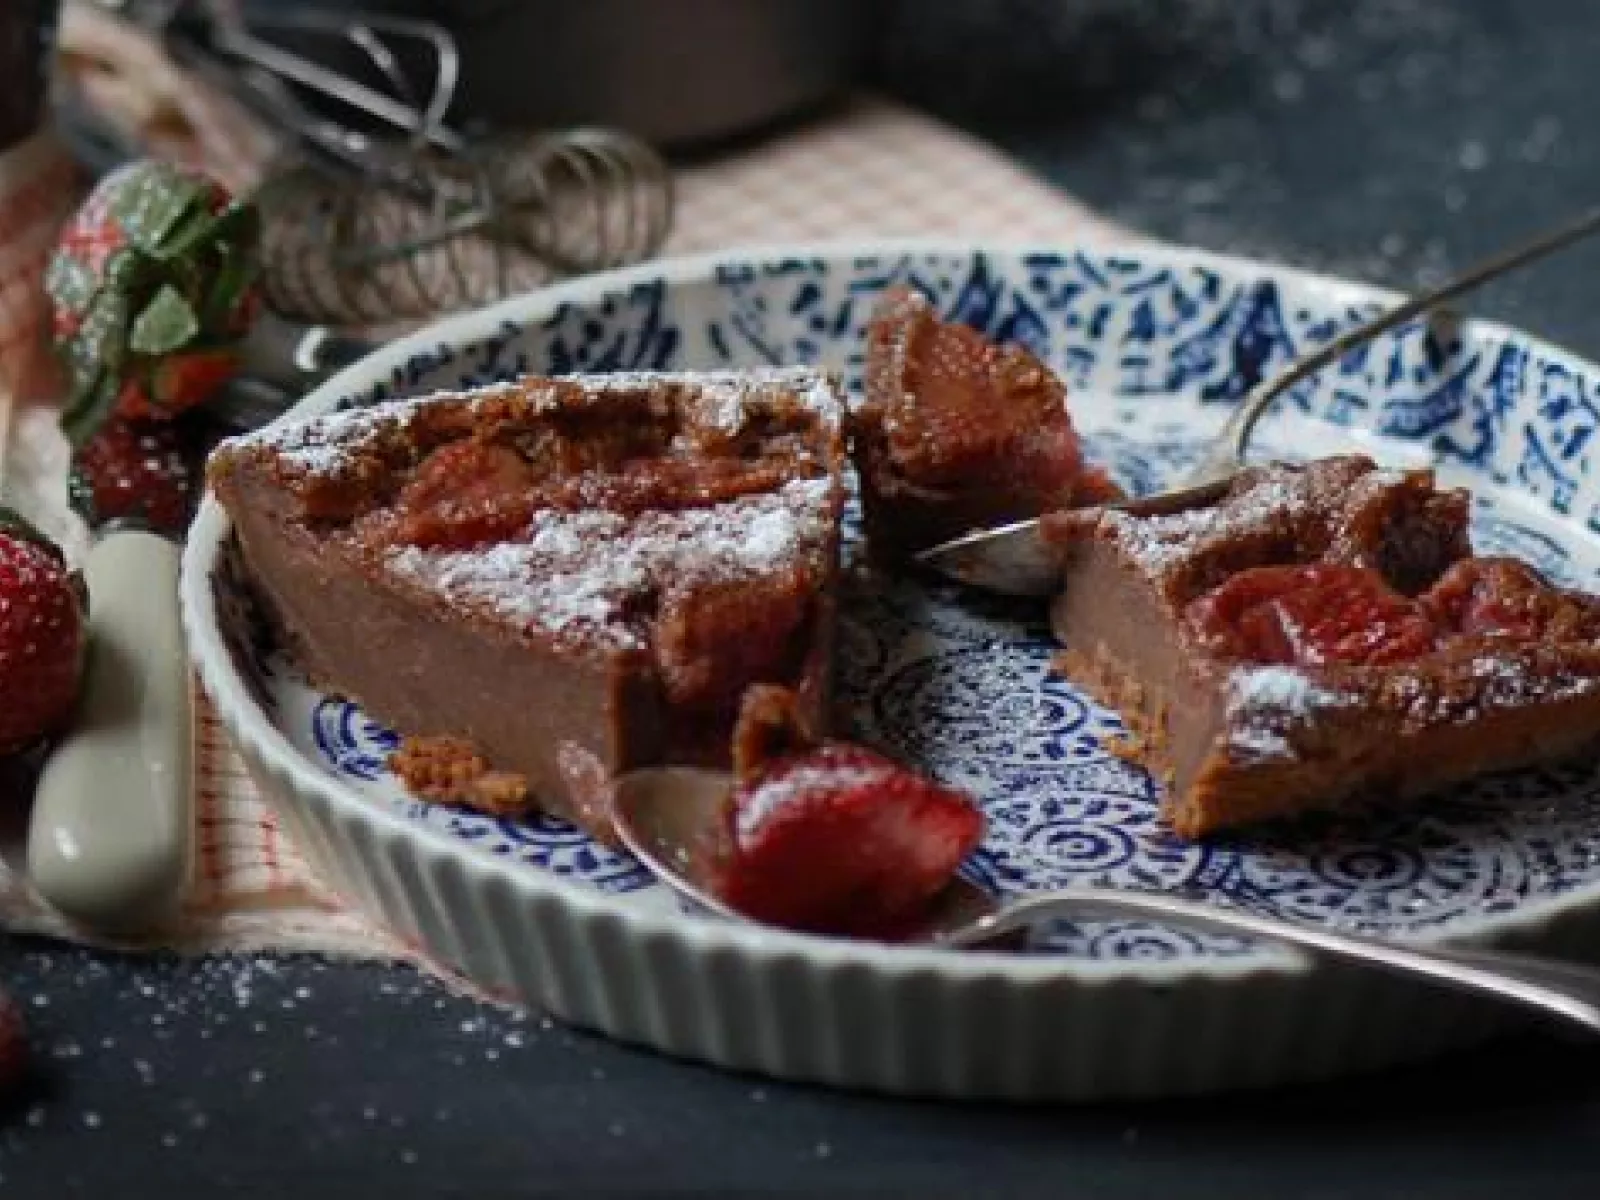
<point>869,169</point>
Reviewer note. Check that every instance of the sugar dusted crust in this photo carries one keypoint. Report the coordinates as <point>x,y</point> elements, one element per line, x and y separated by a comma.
<point>1234,743</point>
<point>591,565</point>
<point>726,401</point>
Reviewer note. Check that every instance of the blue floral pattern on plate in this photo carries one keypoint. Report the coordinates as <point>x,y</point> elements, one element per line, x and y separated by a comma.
<point>1155,347</point>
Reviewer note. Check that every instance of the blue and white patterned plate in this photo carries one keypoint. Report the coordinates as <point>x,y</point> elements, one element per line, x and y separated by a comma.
<point>1155,345</point>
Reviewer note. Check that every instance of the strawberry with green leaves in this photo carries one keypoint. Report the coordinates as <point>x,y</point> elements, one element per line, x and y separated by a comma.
<point>153,285</point>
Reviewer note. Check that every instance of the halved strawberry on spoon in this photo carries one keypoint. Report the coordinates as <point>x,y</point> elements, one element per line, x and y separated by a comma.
<point>832,837</point>
<point>842,840</point>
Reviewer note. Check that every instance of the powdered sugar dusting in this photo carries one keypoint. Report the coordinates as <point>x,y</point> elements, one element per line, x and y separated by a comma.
<point>726,399</point>
<point>1265,702</point>
<point>775,794</point>
<point>1510,681</point>
<point>1160,543</point>
<point>1165,541</point>
<point>1269,507</point>
<point>582,571</point>
<point>318,444</point>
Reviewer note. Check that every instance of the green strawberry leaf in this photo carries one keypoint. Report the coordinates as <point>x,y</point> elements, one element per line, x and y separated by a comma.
<point>130,276</point>
<point>195,229</point>
<point>88,409</point>
<point>101,342</point>
<point>236,225</point>
<point>69,283</point>
<point>152,201</point>
<point>239,225</point>
<point>236,274</point>
<point>166,324</point>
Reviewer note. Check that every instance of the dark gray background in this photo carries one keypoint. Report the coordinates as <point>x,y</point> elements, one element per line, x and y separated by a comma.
<point>1388,140</point>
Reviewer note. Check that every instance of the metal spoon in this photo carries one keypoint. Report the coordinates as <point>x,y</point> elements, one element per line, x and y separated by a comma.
<point>1015,560</point>
<point>668,817</point>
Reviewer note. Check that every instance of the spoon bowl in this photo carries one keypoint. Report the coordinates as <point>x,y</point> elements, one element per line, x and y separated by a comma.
<point>671,819</point>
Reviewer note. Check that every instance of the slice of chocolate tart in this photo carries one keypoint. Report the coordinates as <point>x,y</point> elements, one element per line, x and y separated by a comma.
<point>1321,637</point>
<point>543,583</point>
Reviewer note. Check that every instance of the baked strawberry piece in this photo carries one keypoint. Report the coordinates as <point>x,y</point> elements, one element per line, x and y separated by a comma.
<point>839,839</point>
<point>957,433</point>
<point>1311,614</point>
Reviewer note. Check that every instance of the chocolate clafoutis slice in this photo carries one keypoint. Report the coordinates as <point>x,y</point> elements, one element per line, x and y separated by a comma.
<point>957,433</point>
<point>1320,637</point>
<point>543,583</point>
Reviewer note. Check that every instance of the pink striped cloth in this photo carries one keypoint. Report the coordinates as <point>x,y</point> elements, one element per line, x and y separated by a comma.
<point>869,169</point>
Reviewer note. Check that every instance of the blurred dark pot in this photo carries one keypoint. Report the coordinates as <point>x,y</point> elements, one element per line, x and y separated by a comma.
<point>673,71</point>
<point>27,33</point>
<point>676,72</point>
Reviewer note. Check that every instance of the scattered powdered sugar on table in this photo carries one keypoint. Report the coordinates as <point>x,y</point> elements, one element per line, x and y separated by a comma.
<point>198,1039</point>
<point>579,570</point>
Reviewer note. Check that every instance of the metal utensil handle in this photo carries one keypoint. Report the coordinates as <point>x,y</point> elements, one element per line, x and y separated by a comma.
<point>1565,990</point>
<point>1228,449</point>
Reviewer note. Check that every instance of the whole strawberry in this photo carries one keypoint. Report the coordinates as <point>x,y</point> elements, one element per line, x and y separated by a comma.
<point>42,636</point>
<point>133,469</point>
<point>152,287</point>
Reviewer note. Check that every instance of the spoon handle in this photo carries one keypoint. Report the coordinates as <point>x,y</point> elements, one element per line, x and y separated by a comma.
<point>1227,451</point>
<point>111,835</point>
<point>1566,990</point>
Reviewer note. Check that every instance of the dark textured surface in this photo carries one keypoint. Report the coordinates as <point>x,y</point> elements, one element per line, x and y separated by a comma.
<point>321,1080</point>
<point>1387,140</point>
